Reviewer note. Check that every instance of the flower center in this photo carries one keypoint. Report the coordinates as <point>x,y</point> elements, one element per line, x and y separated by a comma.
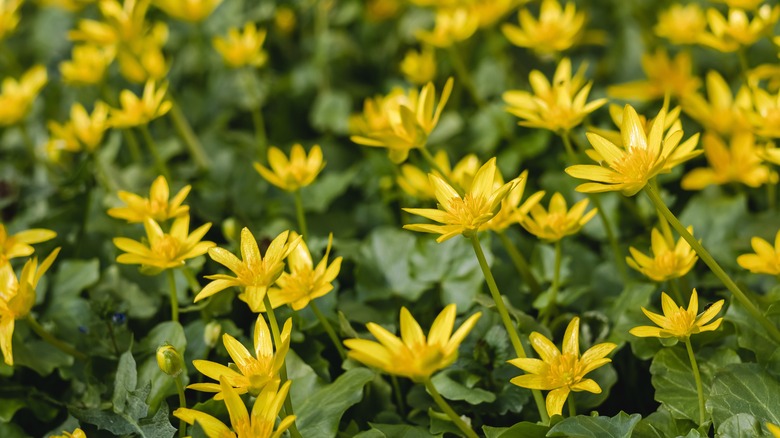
<point>636,165</point>
<point>470,211</point>
<point>666,263</point>
<point>681,321</point>
<point>566,370</point>
<point>167,247</point>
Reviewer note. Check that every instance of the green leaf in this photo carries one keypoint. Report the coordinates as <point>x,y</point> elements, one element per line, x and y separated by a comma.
<point>753,337</point>
<point>320,195</point>
<point>8,408</point>
<point>162,385</point>
<point>39,355</point>
<point>740,426</point>
<point>385,268</point>
<point>661,424</point>
<point>715,217</point>
<point>395,431</point>
<point>11,430</point>
<point>453,390</point>
<point>330,112</point>
<point>525,429</point>
<point>619,426</point>
<point>744,388</point>
<point>319,414</point>
<point>673,378</point>
<point>73,276</point>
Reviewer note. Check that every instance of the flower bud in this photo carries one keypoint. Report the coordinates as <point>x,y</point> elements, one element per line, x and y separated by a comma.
<point>211,333</point>
<point>169,360</point>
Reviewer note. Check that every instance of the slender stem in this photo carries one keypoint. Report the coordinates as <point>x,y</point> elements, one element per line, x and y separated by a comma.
<point>567,145</point>
<point>321,24</point>
<point>300,214</point>
<point>664,224</point>
<point>182,403</point>
<point>260,134</point>
<point>771,195</point>
<point>521,264</point>
<point>192,282</point>
<point>510,327</point>
<point>552,301</point>
<point>444,406</point>
<point>464,75</point>
<point>132,145</point>
<point>712,264</point>
<point>276,334</point>
<point>572,406</point>
<point>185,131</point>
<point>435,166</point>
<point>158,160</point>
<point>103,175</point>
<point>697,378</point>
<point>173,296</point>
<point>28,142</point>
<point>743,64</point>
<point>673,287</point>
<point>328,329</point>
<point>399,396</point>
<point>46,336</point>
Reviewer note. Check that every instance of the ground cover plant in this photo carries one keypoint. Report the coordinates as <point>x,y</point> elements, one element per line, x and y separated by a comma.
<point>389,218</point>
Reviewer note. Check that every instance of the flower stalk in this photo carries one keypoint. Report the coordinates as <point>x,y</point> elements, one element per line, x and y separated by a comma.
<point>521,264</point>
<point>697,378</point>
<point>174,298</point>
<point>300,214</point>
<point>152,145</point>
<point>184,129</point>
<point>444,406</point>
<point>182,403</point>
<point>328,329</point>
<point>46,336</point>
<point>552,301</point>
<point>288,408</point>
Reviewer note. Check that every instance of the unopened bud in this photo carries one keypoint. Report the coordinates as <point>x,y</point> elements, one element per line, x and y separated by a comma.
<point>229,229</point>
<point>169,360</point>
<point>211,333</point>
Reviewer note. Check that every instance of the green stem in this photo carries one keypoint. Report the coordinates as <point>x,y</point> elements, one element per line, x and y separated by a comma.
<point>185,131</point>
<point>28,142</point>
<point>260,134</point>
<point>174,297</point>
<point>328,329</point>
<point>712,264</point>
<point>521,264</point>
<point>103,175</point>
<point>435,166</point>
<point>511,329</point>
<point>282,371</point>
<point>399,397</point>
<point>300,214</point>
<point>697,378</point>
<point>464,75</point>
<point>567,145</point>
<point>46,336</point>
<point>192,282</point>
<point>132,145</point>
<point>182,403</point>
<point>572,406</point>
<point>673,287</point>
<point>743,64</point>
<point>771,195</point>
<point>158,160</point>
<point>444,406</point>
<point>663,223</point>
<point>552,302</point>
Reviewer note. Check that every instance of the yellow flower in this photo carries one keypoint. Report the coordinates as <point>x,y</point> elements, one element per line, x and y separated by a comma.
<point>557,222</point>
<point>463,215</point>
<point>721,112</point>
<point>17,97</point>
<point>738,31</point>
<point>512,211</point>
<point>664,75</point>
<point>122,22</point>
<point>739,162</point>
<point>254,273</point>
<point>284,19</point>
<point>415,182</point>
<point>83,131</point>
<point>260,424</point>
<point>773,429</point>
<point>164,250</point>
<point>750,5</point>
<point>141,59</point>
<point>561,372</point>
<point>559,105</point>
<point>452,25</point>
<point>293,174</point>
<point>765,117</point>
<point>629,168</point>
<point>304,282</point>
<point>765,260</point>
<point>88,64</point>
<point>68,5</point>
<point>249,373</point>
<point>381,10</point>
<point>135,111</point>
<point>78,433</point>
<point>419,67</point>
<point>489,12</point>
<point>9,17</point>
<point>413,356</point>
<point>157,206</point>
<point>242,48</point>
<point>188,10</point>
<point>17,297</point>
<point>668,261</point>
<point>401,122</point>
<point>681,24</point>
<point>18,245</point>
<point>556,30</point>
<point>678,322</point>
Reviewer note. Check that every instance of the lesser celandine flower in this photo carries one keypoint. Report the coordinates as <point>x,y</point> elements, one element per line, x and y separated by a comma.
<point>557,29</point>
<point>304,282</point>
<point>720,112</point>
<point>255,273</point>
<point>9,17</point>
<point>464,215</point>
<point>750,5</point>
<point>141,59</point>
<point>765,260</point>
<point>250,373</point>
<point>78,433</point>
<point>260,424</point>
<point>664,75</point>
<point>122,22</point>
<point>561,372</point>
<point>681,24</point>
<point>559,105</point>
<point>413,355</point>
<point>629,168</point>
<point>157,206</point>
<point>513,210</point>
<point>18,245</point>
<point>668,260</point>
<point>736,31</point>
<point>679,322</point>
<point>169,360</point>
<point>17,297</point>
<point>88,64</point>
<point>242,47</point>
<point>292,174</point>
<point>164,250</point>
<point>765,116</point>
<point>17,97</point>
<point>419,67</point>
<point>739,162</point>
<point>452,25</point>
<point>416,183</point>
<point>489,12</point>
<point>401,122</point>
<point>188,10</point>
<point>558,221</point>
<point>137,111</point>
<point>84,131</point>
